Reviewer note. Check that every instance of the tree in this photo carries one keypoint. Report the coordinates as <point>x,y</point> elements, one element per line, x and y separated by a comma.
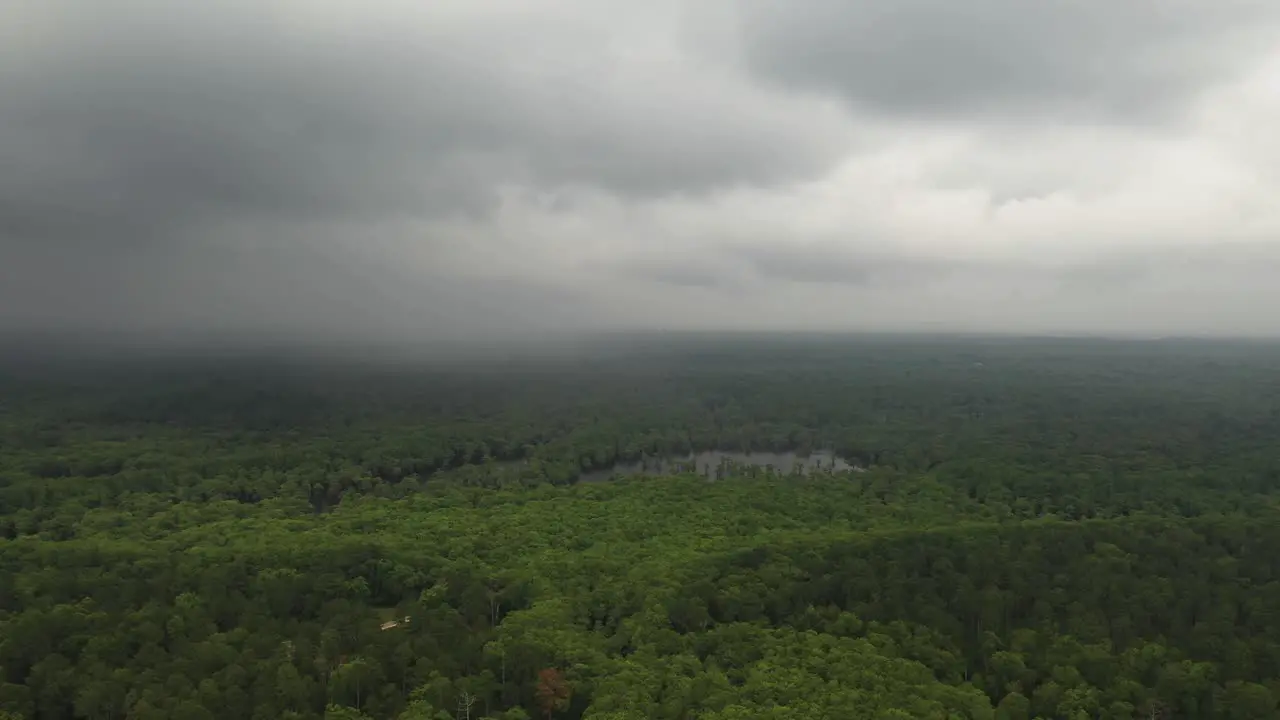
<point>1014,706</point>
<point>355,678</point>
<point>552,692</point>
<point>1245,701</point>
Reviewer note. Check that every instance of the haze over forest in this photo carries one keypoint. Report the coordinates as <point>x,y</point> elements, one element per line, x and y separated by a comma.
<point>412,171</point>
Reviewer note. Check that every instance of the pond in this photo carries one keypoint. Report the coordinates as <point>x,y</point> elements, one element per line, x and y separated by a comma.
<point>716,464</point>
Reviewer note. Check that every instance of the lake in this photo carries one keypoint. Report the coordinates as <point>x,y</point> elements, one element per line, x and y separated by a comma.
<point>714,464</point>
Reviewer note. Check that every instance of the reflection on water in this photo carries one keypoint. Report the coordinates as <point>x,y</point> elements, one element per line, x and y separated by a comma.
<point>716,464</point>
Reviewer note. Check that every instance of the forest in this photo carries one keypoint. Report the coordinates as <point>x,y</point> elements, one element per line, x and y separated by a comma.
<point>1029,528</point>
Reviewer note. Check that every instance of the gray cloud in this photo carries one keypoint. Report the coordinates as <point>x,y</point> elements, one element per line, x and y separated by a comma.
<point>143,119</point>
<point>1192,266</point>
<point>136,135</point>
<point>737,267</point>
<point>298,290</point>
<point>407,169</point>
<point>1007,60</point>
<point>839,265</point>
<point>129,135</point>
<point>684,275</point>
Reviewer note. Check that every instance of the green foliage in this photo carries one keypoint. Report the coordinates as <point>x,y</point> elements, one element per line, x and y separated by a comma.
<point>1042,530</point>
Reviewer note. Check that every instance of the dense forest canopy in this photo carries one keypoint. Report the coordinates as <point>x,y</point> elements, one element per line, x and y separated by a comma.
<point>1036,528</point>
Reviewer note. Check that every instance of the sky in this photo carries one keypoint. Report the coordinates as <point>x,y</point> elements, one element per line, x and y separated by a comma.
<point>466,168</point>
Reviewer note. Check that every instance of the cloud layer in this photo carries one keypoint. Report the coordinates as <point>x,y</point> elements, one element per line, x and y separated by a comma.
<point>417,170</point>
<point>1004,59</point>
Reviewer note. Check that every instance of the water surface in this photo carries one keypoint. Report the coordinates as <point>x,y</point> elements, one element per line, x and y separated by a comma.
<point>716,464</point>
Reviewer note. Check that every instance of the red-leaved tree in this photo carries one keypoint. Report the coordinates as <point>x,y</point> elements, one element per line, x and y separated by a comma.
<point>553,691</point>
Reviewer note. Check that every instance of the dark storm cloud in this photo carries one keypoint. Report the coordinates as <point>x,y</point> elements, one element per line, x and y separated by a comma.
<point>1007,59</point>
<point>150,151</point>
<point>139,120</point>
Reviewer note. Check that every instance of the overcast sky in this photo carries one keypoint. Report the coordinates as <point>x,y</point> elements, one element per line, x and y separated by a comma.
<point>401,168</point>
